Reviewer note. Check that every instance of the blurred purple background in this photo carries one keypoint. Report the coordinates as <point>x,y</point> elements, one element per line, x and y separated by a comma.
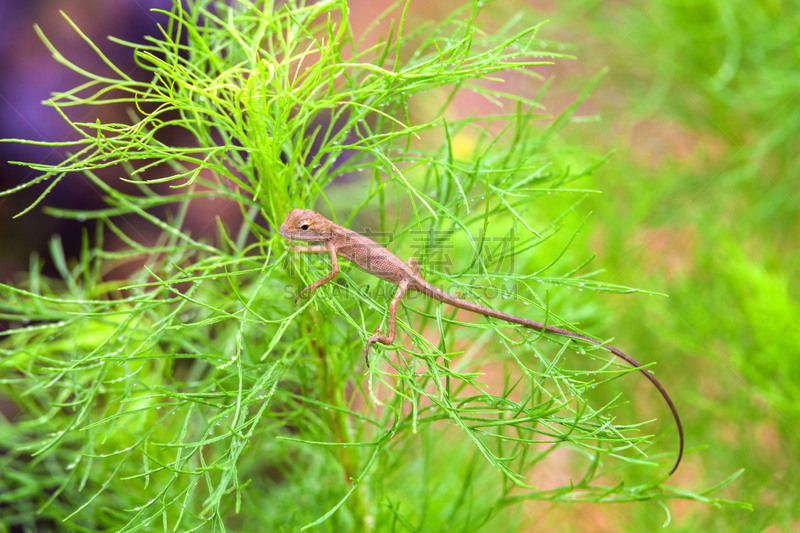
<point>28,76</point>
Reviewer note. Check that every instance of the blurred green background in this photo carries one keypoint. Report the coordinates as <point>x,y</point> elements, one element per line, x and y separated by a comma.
<point>701,201</point>
<point>701,106</point>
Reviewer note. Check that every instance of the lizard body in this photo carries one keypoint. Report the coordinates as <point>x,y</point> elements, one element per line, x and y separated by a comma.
<point>309,226</point>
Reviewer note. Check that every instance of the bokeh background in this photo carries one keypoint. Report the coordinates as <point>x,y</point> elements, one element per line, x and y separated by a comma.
<point>701,200</point>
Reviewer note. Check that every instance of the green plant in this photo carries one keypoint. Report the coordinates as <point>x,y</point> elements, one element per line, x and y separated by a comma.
<point>705,178</point>
<point>196,394</point>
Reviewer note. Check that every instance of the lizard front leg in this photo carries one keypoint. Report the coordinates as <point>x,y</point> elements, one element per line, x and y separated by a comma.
<point>313,249</point>
<point>327,277</point>
<point>391,329</point>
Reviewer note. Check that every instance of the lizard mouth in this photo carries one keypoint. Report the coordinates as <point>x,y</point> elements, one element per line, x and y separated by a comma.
<point>290,238</point>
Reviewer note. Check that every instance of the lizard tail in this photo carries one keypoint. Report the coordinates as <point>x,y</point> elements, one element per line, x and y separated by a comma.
<point>437,294</point>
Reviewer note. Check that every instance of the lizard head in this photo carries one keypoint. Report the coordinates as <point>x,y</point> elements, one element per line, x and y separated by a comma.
<point>304,225</point>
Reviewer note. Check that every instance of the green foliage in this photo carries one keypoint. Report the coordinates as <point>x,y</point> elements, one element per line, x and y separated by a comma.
<point>196,394</point>
<point>708,180</point>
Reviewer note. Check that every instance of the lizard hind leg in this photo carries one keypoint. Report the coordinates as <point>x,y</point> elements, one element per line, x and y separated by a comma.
<point>391,328</point>
<point>414,264</point>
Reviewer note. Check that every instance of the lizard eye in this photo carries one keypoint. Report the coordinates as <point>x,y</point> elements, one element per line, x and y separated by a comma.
<point>304,227</point>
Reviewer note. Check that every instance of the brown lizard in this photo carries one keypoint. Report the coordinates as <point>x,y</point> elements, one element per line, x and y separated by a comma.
<point>309,226</point>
